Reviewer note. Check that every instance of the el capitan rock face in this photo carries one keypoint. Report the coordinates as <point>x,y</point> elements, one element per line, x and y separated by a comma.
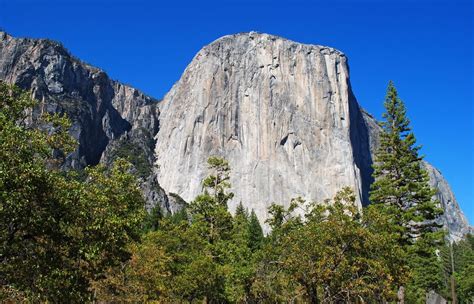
<point>281,112</point>
<point>284,115</point>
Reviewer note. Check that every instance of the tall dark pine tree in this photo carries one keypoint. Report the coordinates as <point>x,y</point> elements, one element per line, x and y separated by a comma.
<point>401,183</point>
<point>241,212</point>
<point>255,232</point>
<point>402,189</point>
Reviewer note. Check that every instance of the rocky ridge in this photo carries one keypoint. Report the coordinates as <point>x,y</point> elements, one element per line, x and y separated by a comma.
<point>283,114</point>
<point>104,113</point>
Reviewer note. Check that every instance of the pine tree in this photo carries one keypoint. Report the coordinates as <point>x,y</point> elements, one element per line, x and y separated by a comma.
<point>209,209</point>
<point>152,219</point>
<point>217,183</point>
<point>255,232</point>
<point>402,190</point>
<point>400,180</point>
<point>241,211</point>
<point>241,225</point>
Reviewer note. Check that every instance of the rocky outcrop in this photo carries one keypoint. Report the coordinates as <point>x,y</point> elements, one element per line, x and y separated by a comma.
<point>453,218</point>
<point>103,112</point>
<point>283,114</point>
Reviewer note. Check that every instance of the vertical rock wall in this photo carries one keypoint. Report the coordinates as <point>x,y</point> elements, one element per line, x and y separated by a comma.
<point>282,113</point>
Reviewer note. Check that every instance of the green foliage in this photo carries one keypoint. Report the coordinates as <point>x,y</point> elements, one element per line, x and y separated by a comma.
<point>458,261</point>
<point>209,210</point>
<point>281,219</point>
<point>402,190</point>
<point>255,232</point>
<point>218,182</point>
<point>57,232</point>
<point>465,284</point>
<point>331,257</point>
<point>426,270</point>
<point>135,154</point>
<point>333,254</point>
<point>401,183</point>
<point>84,236</point>
<point>179,216</point>
<point>153,218</point>
<point>241,212</point>
<point>204,253</point>
<point>170,265</point>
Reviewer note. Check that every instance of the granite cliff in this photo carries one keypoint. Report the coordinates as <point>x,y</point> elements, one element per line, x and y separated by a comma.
<point>282,113</point>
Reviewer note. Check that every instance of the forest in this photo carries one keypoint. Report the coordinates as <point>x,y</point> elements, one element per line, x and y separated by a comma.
<point>80,236</point>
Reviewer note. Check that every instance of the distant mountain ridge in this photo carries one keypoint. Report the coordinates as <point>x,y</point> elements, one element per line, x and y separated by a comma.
<point>283,114</point>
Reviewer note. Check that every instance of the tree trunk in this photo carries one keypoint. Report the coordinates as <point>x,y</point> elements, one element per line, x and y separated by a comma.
<point>453,283</point>
<point>453,290</point>
<point>313,294</point>
<point>401,295</point>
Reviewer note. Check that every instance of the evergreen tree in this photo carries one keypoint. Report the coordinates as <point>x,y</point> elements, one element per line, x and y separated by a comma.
<point>209,209</point>
<point>217,183</point>
<point>241,211</point>
<point>153,218</point>
<point>240,233</point>
<point>255,232</point>
<point>179,216</point>
<point>402,190</point>
<point>211,220</point>
<point>460,264</point>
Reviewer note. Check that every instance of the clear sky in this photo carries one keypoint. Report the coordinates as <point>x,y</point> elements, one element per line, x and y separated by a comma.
<point>425,47</point>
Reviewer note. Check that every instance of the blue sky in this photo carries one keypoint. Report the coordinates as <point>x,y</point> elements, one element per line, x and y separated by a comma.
<point>425,47</point>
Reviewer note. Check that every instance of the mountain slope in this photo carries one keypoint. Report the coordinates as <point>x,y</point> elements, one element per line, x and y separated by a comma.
<point>281,112</point>
<point>105,113</point>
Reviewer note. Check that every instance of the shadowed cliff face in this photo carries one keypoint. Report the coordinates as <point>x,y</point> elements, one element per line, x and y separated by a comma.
<point>281,112</point>
<point>102,111</point>
<point>360,140</point>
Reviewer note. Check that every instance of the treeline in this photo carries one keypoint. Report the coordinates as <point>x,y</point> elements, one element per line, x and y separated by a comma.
<point>85,236</point>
